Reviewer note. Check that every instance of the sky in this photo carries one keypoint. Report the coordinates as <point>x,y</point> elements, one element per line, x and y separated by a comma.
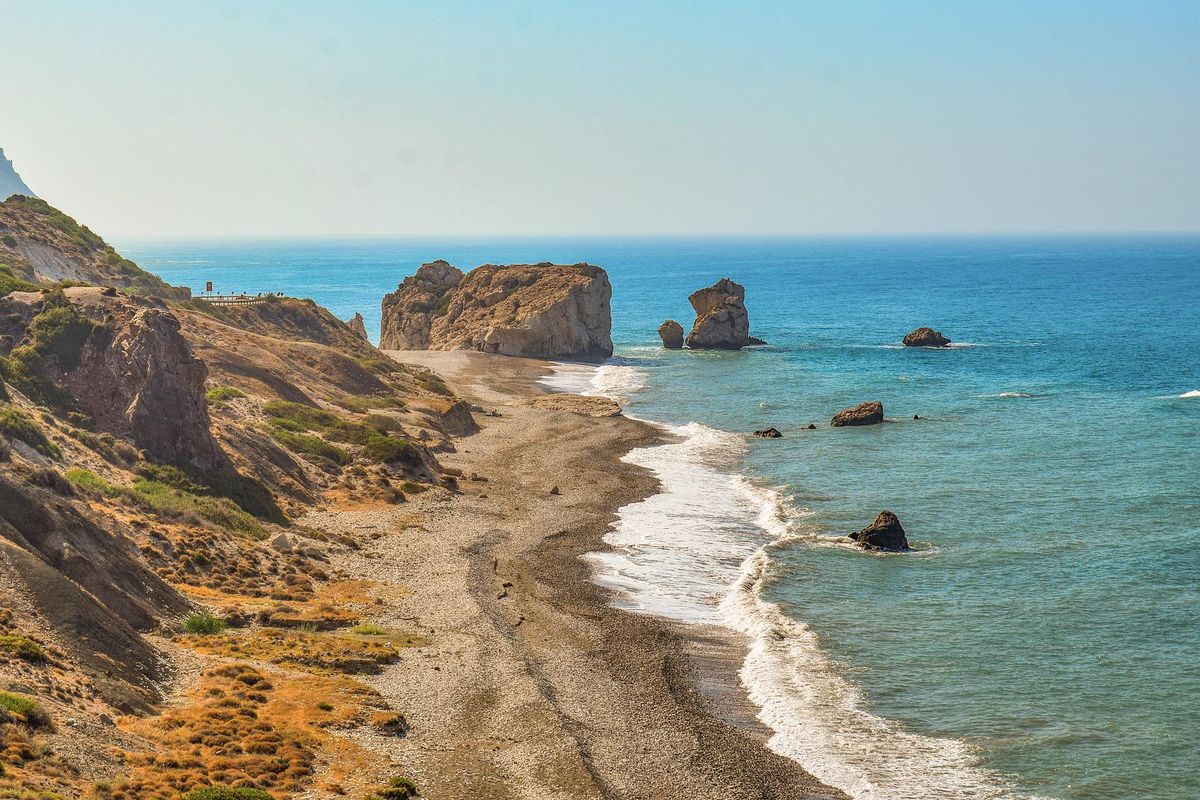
<point>244,119</point>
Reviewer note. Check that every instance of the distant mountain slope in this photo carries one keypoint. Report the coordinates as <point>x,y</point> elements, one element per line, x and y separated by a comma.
<point>10,181</point>
<point>40,244</point>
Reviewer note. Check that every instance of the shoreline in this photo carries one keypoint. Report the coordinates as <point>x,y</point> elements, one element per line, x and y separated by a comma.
<point>534,683</point>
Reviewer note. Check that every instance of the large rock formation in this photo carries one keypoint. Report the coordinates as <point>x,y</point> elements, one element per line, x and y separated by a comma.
<point>672,334</point>
<point>862,414</point>
<point>10,181</point>
<point>409,312</point>
<point>925,337</point>
<point>722,322</point>
<point>534,310</point>
<point>885,533</point>
<point>122,362</point>
<point>357,325</point>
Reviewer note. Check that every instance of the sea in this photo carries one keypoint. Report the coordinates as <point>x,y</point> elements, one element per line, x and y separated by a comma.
<point>1042,639</point>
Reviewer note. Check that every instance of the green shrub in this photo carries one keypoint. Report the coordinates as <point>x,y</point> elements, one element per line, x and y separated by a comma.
<point>22,709</point>
<point>167,500</point>
<point>172,476</point>
<point>60,330</point>
<point>9,282</point>
<point>204,624</point>
<point>91,482</point>
<point>391,450</point>
<point>307,418</point>
<point>15,424</point>
<point>311,445</point>
<point>350,432</point>
<point>23,648</point>
<point>397,788</point>
<point>226,793</point>
<point>220,394</point>
<point>369,629</point>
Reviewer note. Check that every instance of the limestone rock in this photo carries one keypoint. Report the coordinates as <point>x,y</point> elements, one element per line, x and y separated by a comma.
<point>722,322</point>
<point>357,325</point>
<point>533,310</point>
<point>409,312</point>
<point>862,414</point>
<point>672,334</point>
<point>925,337</point>
<point>885,533</point>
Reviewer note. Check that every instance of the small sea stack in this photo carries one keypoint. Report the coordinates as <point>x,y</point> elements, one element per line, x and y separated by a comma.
<point>769,433</point>
<point>885,533</point>
<point>722,322</point>
<point>672,334</point>
<point>925,337</point>
<point>862,414</point>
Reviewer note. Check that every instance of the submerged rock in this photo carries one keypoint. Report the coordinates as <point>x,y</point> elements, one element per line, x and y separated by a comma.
<point>768,433</point>
<point>925,337</point>
<point>862,414</point>
<point>533,310</point>
<point>885,533</point>
<point>672,334</point>
<point>722,322</point>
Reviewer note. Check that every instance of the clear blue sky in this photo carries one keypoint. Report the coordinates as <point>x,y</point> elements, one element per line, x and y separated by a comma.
<point>284,118</point>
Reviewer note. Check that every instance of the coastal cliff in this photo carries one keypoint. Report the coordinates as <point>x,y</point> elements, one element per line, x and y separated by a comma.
<point>533,310</point>
<point>10,181</point>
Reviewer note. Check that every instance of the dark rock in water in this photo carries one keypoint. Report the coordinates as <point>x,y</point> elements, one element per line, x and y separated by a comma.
<point>885,533</point>
<point>925,337</point>
<point>768,433</point>
<point>753,340</point>
<point>812,427</point>
<point>863,414</point>
<point>916,416</point>
<point>672,334</point>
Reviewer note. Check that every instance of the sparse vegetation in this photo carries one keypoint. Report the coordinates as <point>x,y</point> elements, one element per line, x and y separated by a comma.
<point>397,788</point>
<point>391,450</point>
<point>9,282</point>
<point>204,624</point>
<point>219,395</point>
<point>311,445</point>
<point>22,710</point>
<point>370,629</point>
<point>167,500</point>
<point>23,648</point>
<point>227,793</point>
<point>92,483</point>
<point>15,424</point>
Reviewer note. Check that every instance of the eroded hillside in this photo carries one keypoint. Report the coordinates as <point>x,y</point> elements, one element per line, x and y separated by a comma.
<point>165,624</point>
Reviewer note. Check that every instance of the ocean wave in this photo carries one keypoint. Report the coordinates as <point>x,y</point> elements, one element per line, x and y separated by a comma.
<point>616,381</point>
<point>821,721</point>
<point>700,551</point>
<point>1192,393</point>
<point>1009,395</point>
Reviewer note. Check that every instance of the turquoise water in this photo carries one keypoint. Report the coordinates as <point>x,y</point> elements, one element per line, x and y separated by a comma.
<point>1044,639</point>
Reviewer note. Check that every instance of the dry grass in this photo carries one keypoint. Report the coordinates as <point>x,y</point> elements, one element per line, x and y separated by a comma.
<point>307,650</point>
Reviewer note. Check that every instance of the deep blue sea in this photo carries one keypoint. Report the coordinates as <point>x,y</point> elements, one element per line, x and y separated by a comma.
<point>1044,638</point>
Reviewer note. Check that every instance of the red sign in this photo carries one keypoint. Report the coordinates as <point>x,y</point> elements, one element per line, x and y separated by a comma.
<point>208,287</point>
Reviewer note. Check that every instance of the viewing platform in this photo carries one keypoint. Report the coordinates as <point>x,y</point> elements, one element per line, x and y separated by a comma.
<point>237,299</point>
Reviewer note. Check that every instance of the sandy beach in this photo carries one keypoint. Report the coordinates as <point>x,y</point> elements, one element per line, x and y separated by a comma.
<point>531,684</point>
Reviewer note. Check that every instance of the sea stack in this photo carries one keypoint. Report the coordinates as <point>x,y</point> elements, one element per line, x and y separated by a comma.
<point>862,414</point>
<point>672,334</point>
<point>357,325</point>
<point>885,533</point>
<point>533,310</point>
<point>925,337</point>
<point>722,322</point>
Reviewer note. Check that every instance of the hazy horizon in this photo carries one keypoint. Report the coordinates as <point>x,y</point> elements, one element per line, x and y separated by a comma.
<point>522,119</point>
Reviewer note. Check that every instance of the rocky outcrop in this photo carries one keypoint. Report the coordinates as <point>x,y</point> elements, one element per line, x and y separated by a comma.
<point>409,312</point>
<point>925,337</point>
<point>533,310</point>
<point>10,181</point>
<point>672,334</point>
<point>862,414</point>
<point>885,533</point>
<point>357,325</point>
<point>722,322</point>
<point>769,433</point>
<point>123,363</point>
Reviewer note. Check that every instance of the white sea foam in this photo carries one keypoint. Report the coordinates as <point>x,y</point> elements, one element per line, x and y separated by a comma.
<point>699,551</point>
<point>1192,393</point>
<point>1009,394</point>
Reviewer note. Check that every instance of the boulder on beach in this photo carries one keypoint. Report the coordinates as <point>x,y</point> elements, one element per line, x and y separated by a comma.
<point>722,322</point>
<point>925,337</point>
<point>769,433</point>
<point>672,334</point>
<point>885,533</point>
<point>862,414</point>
